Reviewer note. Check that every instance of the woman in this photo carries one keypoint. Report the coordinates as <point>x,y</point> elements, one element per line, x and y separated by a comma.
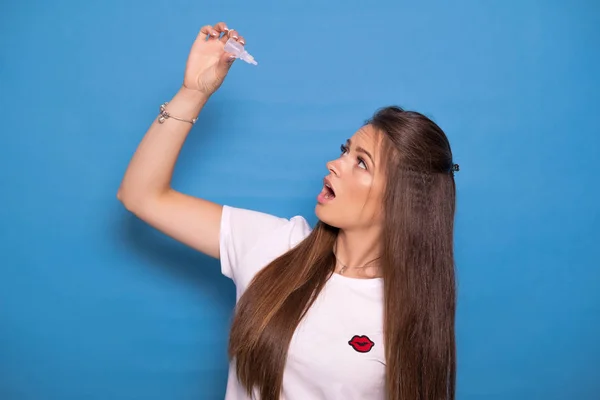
<point>360,307</point>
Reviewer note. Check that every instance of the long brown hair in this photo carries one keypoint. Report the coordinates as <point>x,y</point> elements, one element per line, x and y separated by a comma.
<point>417,267</point>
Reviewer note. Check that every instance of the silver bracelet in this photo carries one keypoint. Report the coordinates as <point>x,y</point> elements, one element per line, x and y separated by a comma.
<point>164,114</point>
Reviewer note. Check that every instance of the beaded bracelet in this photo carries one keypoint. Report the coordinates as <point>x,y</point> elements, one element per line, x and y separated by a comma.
<point>164,114</point>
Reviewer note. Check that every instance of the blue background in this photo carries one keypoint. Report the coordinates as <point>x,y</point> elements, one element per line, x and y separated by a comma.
<point>95,304</point>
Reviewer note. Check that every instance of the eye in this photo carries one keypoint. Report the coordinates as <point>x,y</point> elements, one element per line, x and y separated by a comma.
<point>361,161</point>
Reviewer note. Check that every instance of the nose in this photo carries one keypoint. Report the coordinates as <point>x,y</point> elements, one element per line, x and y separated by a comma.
<point>333,168</point>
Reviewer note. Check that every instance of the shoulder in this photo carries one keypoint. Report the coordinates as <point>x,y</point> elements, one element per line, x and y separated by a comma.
<point>263,222</point>
<point>252,239</point>
<point>252,227</point>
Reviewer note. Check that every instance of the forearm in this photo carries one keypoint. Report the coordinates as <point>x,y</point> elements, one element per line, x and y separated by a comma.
<point>151,168</point>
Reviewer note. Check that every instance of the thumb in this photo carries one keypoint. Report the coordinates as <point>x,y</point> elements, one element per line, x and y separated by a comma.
<point>226,61</point>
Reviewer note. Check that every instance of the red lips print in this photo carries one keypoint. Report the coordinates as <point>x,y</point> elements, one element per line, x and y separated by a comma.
<point>362,344</point>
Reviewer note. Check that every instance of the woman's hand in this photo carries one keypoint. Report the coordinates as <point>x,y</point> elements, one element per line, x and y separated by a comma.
<point>208,64</point>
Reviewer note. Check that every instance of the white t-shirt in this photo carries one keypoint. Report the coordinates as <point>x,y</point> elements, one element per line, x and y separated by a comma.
<point>337,350</point>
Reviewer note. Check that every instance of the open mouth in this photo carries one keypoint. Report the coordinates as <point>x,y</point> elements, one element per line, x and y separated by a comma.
<point>328,192</point>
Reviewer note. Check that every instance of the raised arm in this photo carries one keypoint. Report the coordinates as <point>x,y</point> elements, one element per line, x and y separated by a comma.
<point>146,187</point>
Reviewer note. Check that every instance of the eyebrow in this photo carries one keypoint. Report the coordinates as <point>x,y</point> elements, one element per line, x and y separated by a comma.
<point>361,150</point>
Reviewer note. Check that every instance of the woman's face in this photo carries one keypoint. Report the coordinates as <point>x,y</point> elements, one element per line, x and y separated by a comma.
<point>352,195</point>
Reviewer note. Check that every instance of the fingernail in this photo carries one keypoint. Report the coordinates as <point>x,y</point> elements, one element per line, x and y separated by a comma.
<point>215,34</point>
<point>242,42</point>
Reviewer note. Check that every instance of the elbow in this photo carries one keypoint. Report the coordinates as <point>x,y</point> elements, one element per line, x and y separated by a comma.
<point>126,199</point>
<point>135,201</point>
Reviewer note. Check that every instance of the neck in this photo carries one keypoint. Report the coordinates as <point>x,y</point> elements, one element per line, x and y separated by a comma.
<point>354,249</point>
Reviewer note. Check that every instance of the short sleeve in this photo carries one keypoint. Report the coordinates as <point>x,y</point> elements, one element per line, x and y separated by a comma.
<point>249,240</point>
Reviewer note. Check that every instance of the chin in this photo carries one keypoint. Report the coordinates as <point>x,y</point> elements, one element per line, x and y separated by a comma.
<point>325,216</point>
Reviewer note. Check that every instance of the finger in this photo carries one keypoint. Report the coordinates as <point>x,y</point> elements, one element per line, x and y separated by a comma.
<point>224,64</point>
<point>220,27</point>
<point>242,40</point>
<point>206,31</point>
<point>226,61</point>
<point>226,35</point>
<point>231,33</point>
<point>217,29</point>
